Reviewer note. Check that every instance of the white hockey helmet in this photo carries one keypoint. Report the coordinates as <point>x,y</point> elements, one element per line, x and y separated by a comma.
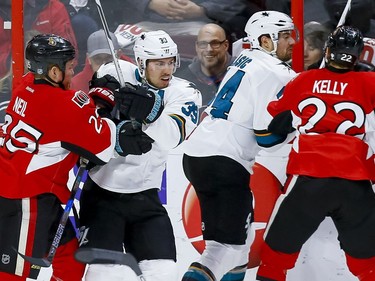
<point>154,45</point>
<point>268,23</point>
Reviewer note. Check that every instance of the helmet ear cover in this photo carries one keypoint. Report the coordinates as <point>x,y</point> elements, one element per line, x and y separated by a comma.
<point>344,46</point>
<point>154,45</point>
<point>44,51</point>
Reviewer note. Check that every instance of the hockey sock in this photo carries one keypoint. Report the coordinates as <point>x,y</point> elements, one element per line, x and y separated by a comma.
<point>109,272</point>
<point>274,264</point>
<point>64,265</point>
<point>270,273</point>
<point>367,276</point>
<point>198,272</point>
<point>236,274</point>
<point>159,270</point>
<point>10,277</point>
<point>364,269</point>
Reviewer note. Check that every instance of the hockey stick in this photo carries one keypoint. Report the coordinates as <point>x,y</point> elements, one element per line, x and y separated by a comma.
<point>114,57</point>
<point>345,13</point>
<point>341,21</point>
<point>46,262</point>
<point>102,256</point>
<point>110,43</point>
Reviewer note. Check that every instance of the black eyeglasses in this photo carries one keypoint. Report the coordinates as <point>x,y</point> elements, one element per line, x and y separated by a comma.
<point>215,44</point>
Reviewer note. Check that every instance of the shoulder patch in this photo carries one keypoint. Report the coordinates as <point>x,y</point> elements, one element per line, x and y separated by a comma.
<point>81,99</point>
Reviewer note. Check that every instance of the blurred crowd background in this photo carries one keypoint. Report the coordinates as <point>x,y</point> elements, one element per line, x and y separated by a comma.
<point>76,20</point>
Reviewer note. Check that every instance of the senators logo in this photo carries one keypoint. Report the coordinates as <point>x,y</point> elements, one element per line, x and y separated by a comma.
<point>81,99</point>
<point>51,41</point>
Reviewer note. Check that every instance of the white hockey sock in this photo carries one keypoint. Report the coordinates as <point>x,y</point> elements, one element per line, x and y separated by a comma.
<point>113,272</point>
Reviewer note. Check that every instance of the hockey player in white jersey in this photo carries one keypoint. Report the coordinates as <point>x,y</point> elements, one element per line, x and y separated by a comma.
<point>120,207</point>
<point>220,153</point>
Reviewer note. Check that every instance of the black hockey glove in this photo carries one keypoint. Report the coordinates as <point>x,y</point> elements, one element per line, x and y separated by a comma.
<point>136,102</point>
<point>130,139</point>
<point>364,66</point>
<point>281,124</point>
<point>102,92</point>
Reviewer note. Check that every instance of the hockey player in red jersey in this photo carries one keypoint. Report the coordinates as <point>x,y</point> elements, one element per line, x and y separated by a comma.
<point>331,163</point>
<point>47,128</point>
<point>220,153</point>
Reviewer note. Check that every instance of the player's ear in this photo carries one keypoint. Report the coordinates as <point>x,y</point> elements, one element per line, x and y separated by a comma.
<point>266,43</point>
<point>53,72</point>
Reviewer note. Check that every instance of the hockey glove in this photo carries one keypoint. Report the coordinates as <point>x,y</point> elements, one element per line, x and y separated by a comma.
<point>364,66</point>
<point>281,124</point>
<point>136,102</point>
<point>102,92</point>
<point>130,139</point>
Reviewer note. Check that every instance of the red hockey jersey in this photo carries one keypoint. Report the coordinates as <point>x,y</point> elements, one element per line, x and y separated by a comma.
<point>335,123</point>
<point>45,130</point>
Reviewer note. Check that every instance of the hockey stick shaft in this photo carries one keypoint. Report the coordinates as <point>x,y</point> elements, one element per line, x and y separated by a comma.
<point>341,21</point>
<point>110,43</point>
<point>46,262</point>
<point>102,256</point>
<point>114,56</point>
<point>344,13</point>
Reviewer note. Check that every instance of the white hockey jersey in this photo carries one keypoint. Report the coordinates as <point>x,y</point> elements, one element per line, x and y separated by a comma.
<point>240,108</point>
<point>135,173</point>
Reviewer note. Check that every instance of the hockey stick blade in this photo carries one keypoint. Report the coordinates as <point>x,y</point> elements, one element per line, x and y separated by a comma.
<point>95,255</point>
<point>42,262</point>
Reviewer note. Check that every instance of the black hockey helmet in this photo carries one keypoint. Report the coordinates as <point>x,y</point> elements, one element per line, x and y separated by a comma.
<point>345,45</point>
<point>44,50</point>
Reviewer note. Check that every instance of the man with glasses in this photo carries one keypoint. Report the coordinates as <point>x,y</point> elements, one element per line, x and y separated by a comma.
<point>220,153</point>
<point>120,206</point>
<point>209,67</point>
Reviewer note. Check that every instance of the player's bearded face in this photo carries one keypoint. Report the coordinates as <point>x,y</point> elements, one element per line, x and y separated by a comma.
<point>159,72</point>
<point>69,73</point>
<point>285,45</point>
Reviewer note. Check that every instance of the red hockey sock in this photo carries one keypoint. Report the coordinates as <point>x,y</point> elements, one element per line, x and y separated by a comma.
<point>364,269</point>
<point>11,277</point>
<point>270,273</point>
<point>274,265</point>
<point>65,267</point>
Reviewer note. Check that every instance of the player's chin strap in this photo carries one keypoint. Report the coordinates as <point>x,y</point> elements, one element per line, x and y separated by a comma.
<point>272,53</point>
<point>61,85</point>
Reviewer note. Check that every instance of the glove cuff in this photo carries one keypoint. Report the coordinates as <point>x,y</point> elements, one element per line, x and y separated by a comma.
<point>118,147</point>
<point>102,94</point>
<point>156,110</point>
